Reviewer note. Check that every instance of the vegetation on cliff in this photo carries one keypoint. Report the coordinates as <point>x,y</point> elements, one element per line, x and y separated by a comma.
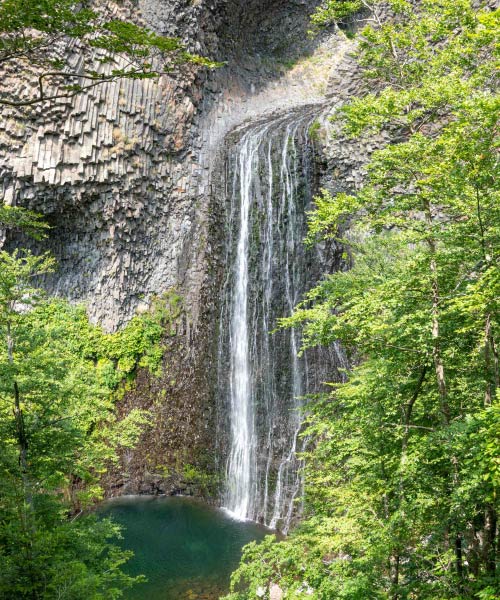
<point>59,377</point>
<point>403,481</point>
<point>403,464</point>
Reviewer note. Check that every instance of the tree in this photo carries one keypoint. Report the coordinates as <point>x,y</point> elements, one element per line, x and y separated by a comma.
<point>59,434</point>
<point>17,217</point>
<point>35,37</point>
<point>59,375</point>
<point>403,480</point>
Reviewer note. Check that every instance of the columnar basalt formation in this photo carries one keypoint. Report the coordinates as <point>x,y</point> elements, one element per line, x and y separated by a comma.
<point>130,176</point>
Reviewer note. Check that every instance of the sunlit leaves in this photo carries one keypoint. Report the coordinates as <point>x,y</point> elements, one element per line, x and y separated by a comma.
<point>16,217</point>
<point>62,374</point>
<point>398,497</point>
<point>33,36</point>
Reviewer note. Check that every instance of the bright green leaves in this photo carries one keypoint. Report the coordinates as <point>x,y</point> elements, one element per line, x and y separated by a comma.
<point>335,11</point>
<point>403,461</point>
<point>32,35</point>
<point>16,217</point>
<point>121,37</point>
<point>116,355</point>
<point>59,379</point>
<point>77,560</point>
<point>340,11</point>
<point>66,371</point>
<point>45,16</point>
<point>425,64</point>
<point>17,271</point>
<point>330,215</point>
<point>124,36</point>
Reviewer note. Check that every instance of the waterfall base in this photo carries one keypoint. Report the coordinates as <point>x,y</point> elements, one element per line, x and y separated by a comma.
<point>186,549</point>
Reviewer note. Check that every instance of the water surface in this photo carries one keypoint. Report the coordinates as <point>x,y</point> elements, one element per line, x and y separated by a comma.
<point>186,549</point>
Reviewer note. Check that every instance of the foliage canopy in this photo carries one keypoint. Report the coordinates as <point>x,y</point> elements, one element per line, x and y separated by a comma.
<point>402,483</point>
<point>59,376</point>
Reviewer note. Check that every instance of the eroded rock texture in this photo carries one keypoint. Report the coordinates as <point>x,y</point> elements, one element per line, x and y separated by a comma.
<point>130,177</point>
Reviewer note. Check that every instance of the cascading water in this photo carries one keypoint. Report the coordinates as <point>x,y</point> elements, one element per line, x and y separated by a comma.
<point>241,465</point>
<point>261,377</point>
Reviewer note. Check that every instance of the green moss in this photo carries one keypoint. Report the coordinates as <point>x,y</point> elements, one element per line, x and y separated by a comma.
<point>208,482</point>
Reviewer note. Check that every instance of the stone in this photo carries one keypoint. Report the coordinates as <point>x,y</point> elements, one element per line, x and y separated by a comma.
<point>129,176</point>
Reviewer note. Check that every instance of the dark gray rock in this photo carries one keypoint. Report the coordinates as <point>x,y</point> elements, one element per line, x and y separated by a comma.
<point>130,177</point>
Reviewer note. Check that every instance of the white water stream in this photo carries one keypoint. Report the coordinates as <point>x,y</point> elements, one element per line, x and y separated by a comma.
<point>241,472</point>
<point>262,377</point>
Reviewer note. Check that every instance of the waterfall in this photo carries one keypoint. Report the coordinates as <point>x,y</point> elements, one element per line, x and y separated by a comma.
<point>241,464</point>
<point>261,377</point>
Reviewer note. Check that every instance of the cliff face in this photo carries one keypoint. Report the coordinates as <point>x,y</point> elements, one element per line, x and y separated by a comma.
<point>131,178</point>
<point>110,170</point>
<point>122,172</point>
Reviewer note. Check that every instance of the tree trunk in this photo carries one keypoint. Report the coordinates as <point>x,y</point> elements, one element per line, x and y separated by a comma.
<point>490,531</point>
<point>395,561</point>
<point>408,409</point>
<point>436,349</point>
<point>459,565</point>
<point>22,439</point>
<point>441,378</point>
<point>27,510</point>
<point>488,351</point>
<point>491,377</point>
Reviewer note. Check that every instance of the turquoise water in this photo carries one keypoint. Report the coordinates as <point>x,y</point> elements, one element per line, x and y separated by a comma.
<point>186,549</point>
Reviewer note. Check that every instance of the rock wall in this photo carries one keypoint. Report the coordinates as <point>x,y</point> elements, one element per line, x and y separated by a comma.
<point>129,177</point>
<point>110,171</point>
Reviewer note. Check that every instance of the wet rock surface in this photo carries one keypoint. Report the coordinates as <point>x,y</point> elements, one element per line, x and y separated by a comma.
<point>271,177</point>
<point>130,177</point>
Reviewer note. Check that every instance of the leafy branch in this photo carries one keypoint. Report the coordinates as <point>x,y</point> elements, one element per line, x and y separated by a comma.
<point>36,35</point>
